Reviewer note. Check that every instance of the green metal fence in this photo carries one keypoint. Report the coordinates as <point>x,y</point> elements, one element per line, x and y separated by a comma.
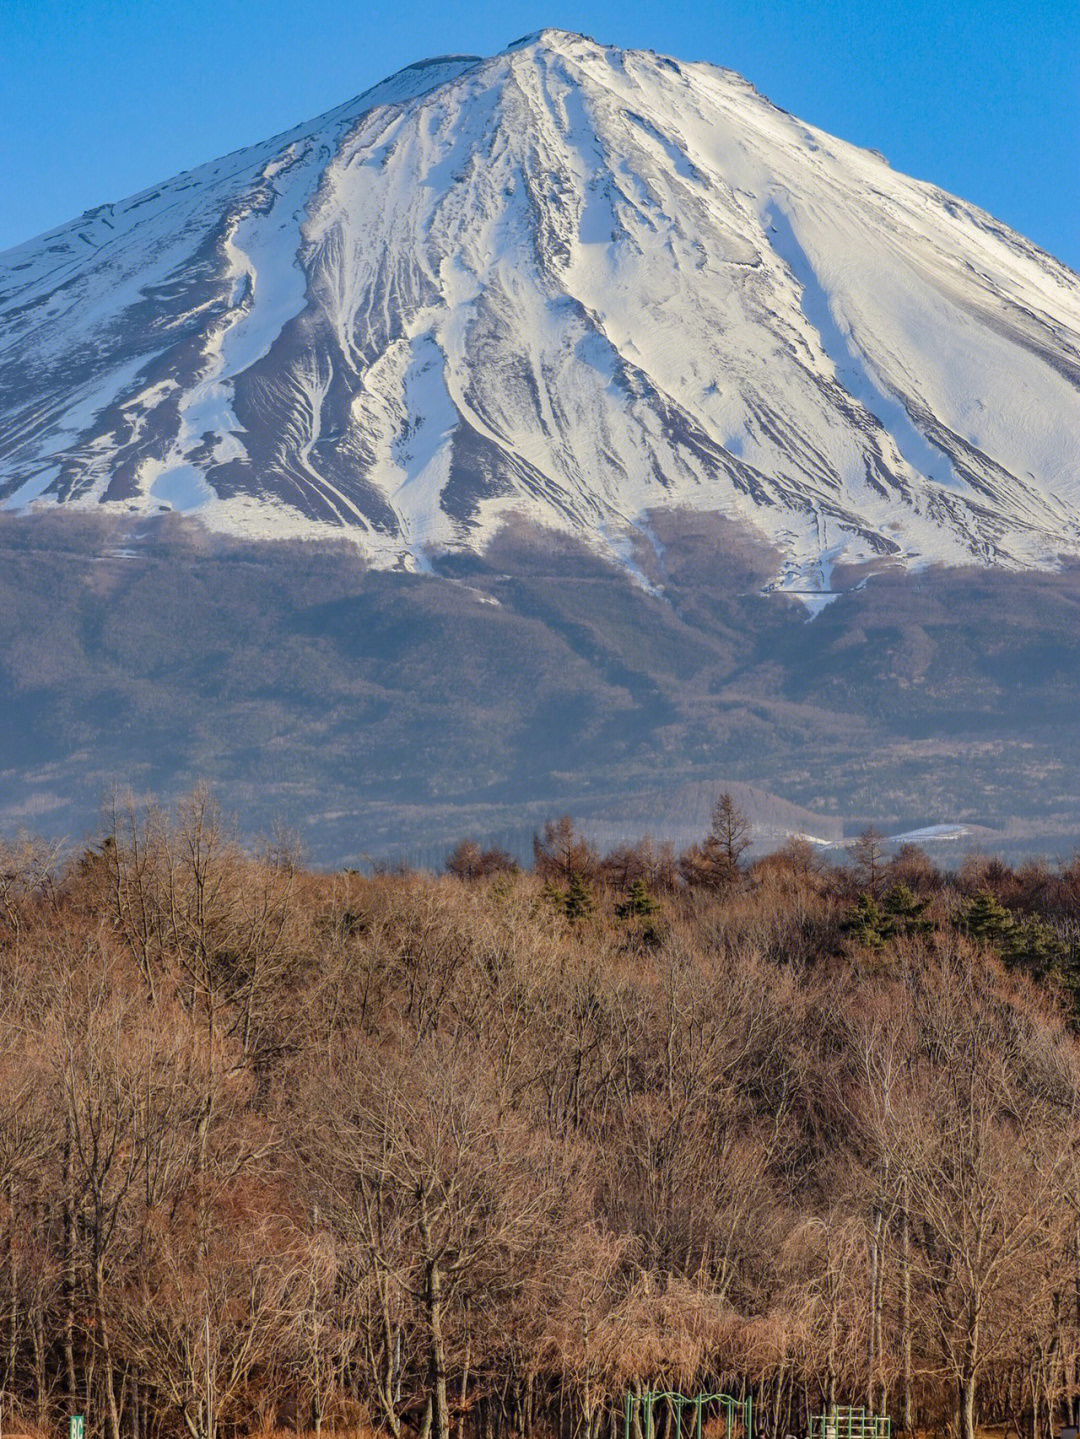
<point>686,1414</point>
<point>844,1422</point>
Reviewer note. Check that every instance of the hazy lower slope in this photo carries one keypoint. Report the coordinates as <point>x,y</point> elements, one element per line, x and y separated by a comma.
<point>384,713</point>
<point>571,282</point>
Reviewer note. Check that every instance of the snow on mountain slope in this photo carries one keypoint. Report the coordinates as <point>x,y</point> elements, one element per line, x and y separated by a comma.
<point>569,282</point>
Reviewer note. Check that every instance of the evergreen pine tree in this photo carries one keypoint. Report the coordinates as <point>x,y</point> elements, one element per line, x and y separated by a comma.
<point>865,923</point>
<point>637,902</point>
<point>1034,944</point>
<point>986,920</point>
<point>903,912</point>
<point>578,900</point>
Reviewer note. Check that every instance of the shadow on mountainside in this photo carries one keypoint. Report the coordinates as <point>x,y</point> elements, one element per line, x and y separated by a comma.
<point>379,713</point>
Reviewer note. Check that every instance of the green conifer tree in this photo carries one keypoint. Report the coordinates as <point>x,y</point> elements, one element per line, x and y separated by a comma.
<point>986,920</point>
<point>903,912</point>
<point>865,923</point>
<point>637,902</point>
<point>578,900</point>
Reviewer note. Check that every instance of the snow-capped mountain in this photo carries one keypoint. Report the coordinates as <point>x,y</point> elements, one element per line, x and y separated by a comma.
<point>570,282</point>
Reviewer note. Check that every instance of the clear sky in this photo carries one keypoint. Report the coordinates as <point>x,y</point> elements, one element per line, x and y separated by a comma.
<point>101,98</point>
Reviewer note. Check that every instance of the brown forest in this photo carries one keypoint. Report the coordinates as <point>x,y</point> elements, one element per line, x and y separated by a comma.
<point>475,1154</point>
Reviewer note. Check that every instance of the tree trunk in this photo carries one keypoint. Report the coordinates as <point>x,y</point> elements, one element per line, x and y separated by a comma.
<point>112,1412</point>
<point>13,1295</point>
<point>905,1310</point>
<point>69,1275</point>
<point>440,1416</point>
<point>464,1388</point>
<point>41,1383</point>
<point>966,1408</point>
<point>872,1356</point>
<point>778,1395</point>
<point>635,1415</point>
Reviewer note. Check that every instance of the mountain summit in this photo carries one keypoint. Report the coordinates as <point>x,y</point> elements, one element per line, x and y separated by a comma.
<point>570,282</point>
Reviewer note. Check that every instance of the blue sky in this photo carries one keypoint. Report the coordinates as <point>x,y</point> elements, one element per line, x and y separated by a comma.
<point>98,100</point>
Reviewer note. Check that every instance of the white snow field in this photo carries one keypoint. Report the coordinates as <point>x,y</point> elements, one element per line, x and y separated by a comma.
<point>569,282</point>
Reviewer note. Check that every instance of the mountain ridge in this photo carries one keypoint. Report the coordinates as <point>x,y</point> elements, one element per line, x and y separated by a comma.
<point>567,282</point>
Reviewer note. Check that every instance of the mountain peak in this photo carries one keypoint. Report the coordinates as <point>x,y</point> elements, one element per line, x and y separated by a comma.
<point>550,37</point>
<point>576,292</point>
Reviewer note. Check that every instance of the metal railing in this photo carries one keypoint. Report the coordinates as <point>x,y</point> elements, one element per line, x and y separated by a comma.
<point>642,1411</point>
<point>843,1421</point>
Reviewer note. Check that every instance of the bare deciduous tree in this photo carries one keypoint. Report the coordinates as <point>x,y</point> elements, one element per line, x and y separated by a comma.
<point>417,1154</point>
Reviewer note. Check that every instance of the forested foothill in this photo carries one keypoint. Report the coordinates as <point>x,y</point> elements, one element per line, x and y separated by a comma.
<point>476,1154</point>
